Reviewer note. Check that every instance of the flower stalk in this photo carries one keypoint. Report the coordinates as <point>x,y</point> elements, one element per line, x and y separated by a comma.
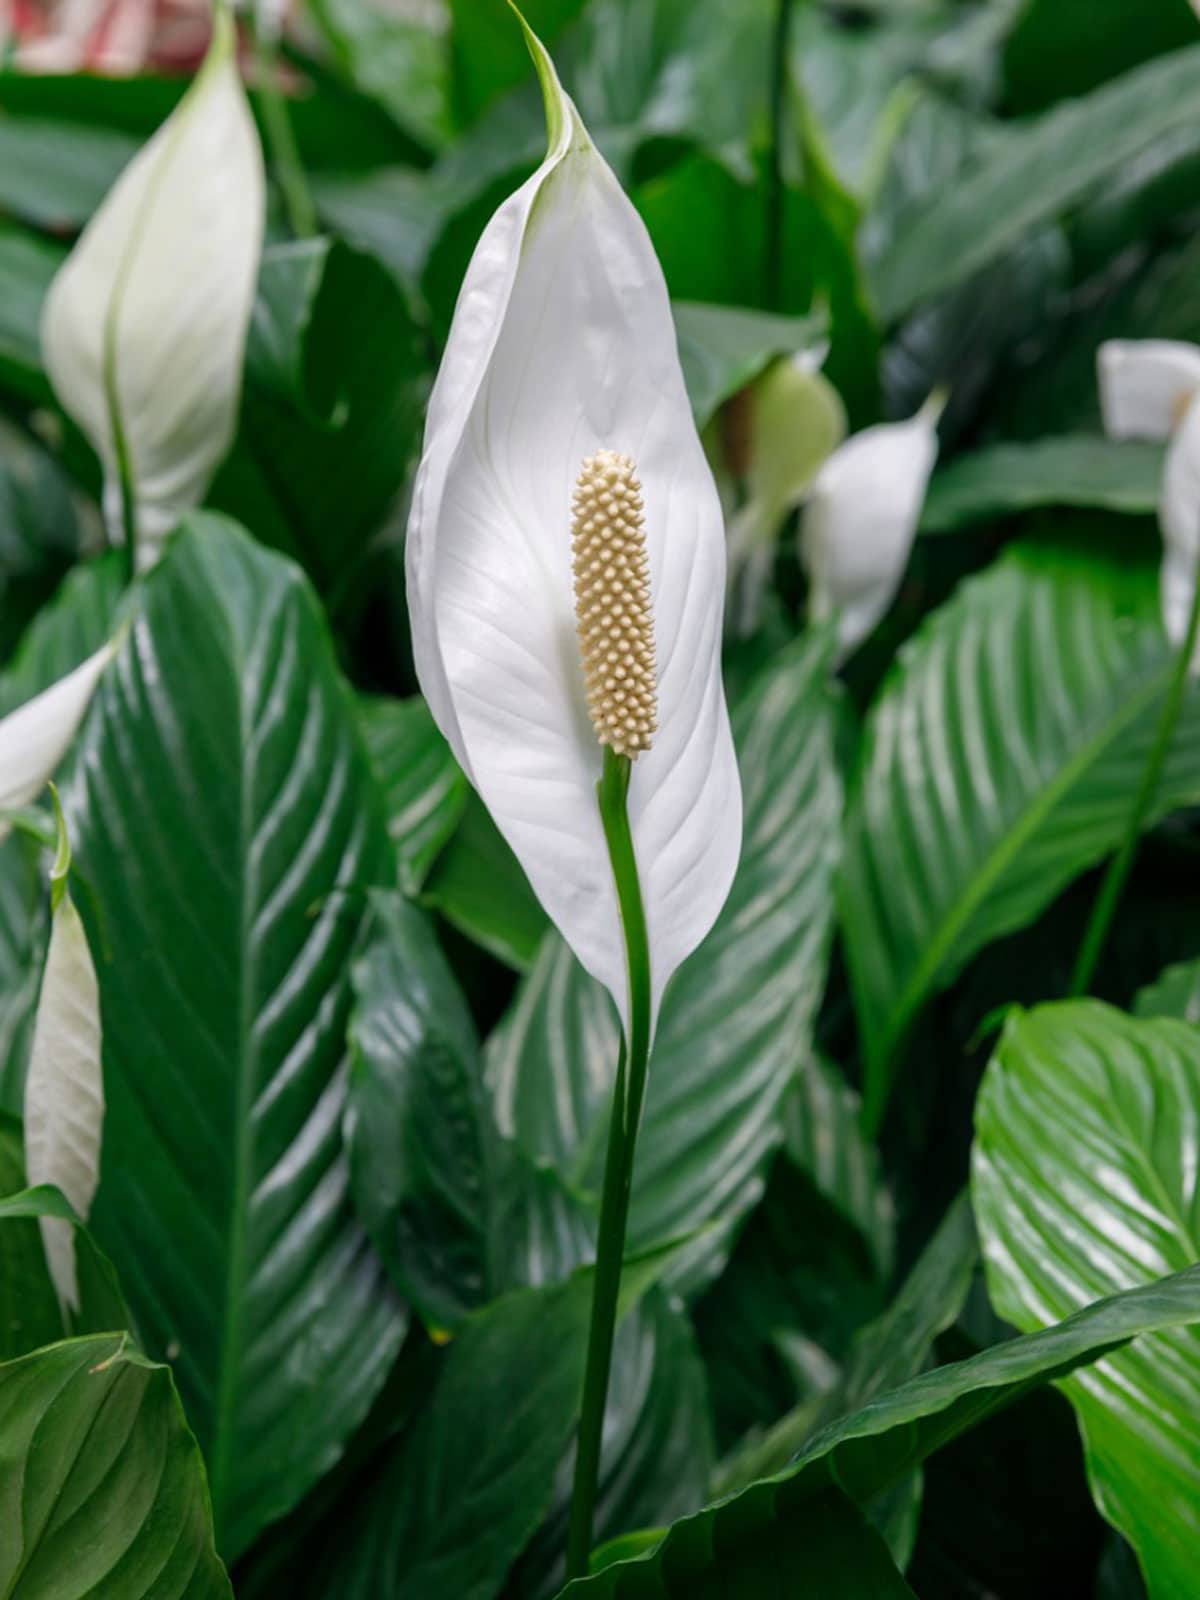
<point>628,1095</point>
<point>1107,900</point>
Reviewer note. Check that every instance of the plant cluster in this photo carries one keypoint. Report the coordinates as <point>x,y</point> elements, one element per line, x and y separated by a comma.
<point>599,753</point>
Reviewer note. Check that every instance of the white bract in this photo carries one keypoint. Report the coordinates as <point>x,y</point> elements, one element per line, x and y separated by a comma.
<point>861,519</point>
<point>563,347</point>
<point>144,327</point>
<point>64,1091</point>
<point>34,738</point>
<point>1147,390</point>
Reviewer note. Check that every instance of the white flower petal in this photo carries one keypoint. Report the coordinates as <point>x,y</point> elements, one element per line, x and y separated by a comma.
<point>563,345</point>
<point>64,1092</point>
<point>1179,518</point>
<point>157,297</point>
<point>861,519</point>
<point>35,737</point>
<point>1146,385</point>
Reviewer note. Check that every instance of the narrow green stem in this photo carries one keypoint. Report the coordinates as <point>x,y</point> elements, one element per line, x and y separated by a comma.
<point>773,259</point>
<point>628,1094</point>
<point>1113,886</point>
<point>128,495</point>
<point>285,154</point>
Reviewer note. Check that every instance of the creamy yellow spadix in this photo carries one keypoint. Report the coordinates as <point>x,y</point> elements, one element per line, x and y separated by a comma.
<point>613,610</point>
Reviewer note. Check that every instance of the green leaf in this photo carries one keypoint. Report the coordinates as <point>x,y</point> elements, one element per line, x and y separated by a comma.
<point>480,887</point>
<point>328,430</point>
<point>456,1499</point>
<point>1175,994</point>
<point>1084,1181</point>
<point>26,268</point>
<point>29,1314</point>
<point>224,816</point>
<point>997,765</point>
<point>871,1449</point>
<point>887,1351</point>
<point>40,532</point>
<point>658,1446</point>
<point>446,1201</point>
<point>81,617</point>
<point>779,1322</point>
<point>102,1307</point>
<point>23,933</point>
<point>824,1139</point>
<point>1042,169</point>
<point>489,50</point>
<point>1060,48</point>
<point>424,790</point>
<point>723,348</point>
<point>826,1549</point>
<point>401,62</point>
<point>738,1015</point>
<point>1074,470</point>
<point>101,1484</point>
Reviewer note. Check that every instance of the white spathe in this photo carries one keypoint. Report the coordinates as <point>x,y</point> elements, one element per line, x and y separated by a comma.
<point>144,327</point>
<point>35,737</point>
<point>64,1091</point>
<point>1146,386</point>
<point>1148,389</point>
<point>563,345</point>
<point>861,519</point>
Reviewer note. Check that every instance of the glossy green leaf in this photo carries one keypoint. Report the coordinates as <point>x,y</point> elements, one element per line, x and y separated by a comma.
<point>102,1307</point>
<point>1043,169</point>
<point>40,531</point>
<point>1175,994</point>
<point>29,1313</point>
<point>997,765</point>
<point>23,933</point>
<point>27,265</point>
<point>401,61</point>
<point>1060,48</point>
<point>82,616</point>
<point>479,886</point>
<point>736,1018</point>
<point>723,348</point>
<point>887,1351</point>
<point>1074,470</point>
<point>328,430</point>
<point>447,1202</point>
<point>102,1487</point>
<point>823,1137</point>
<point>1084,1181</point>
<point>423,787</point>
<point>871,1449</point>
<point>827,1548</point>
<point>454,1501</point>
<point>226,821</point>
<point>658,1445</point>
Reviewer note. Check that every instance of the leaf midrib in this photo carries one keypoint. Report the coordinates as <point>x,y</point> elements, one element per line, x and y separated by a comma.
<point>916,990</point>
<point>230,1334</point>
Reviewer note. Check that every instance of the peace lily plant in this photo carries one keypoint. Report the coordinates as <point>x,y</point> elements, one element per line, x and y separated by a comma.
<point>144,327</point>
<point>566,570</point>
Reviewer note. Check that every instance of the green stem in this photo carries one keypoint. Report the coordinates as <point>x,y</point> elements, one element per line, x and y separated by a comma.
<point>125,483</point>
<point>1113,886</point>
<point>773,263</point>
<point>628,1094</point>
<point>285,154</point>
